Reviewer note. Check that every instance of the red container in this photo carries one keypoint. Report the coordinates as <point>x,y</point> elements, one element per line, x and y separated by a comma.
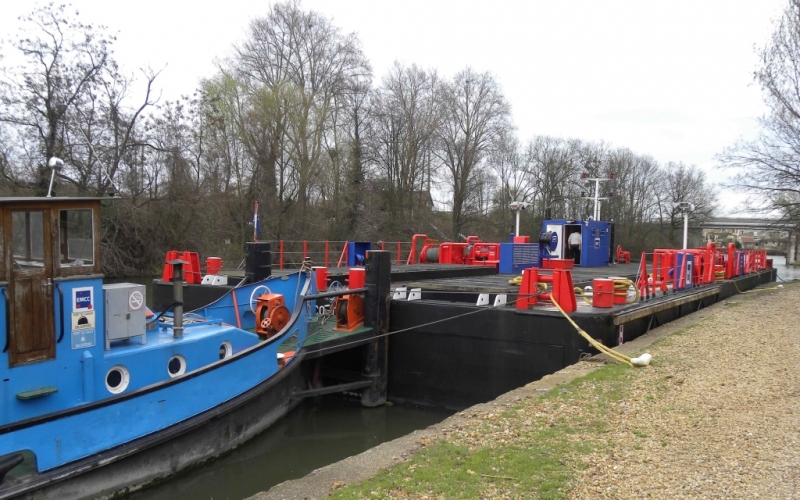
<point>603,293</point>
<point>358,277</point>
<point>321,277</point>
<point>213,265</point>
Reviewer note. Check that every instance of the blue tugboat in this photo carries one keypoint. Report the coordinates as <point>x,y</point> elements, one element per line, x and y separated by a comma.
<point>96,397</point>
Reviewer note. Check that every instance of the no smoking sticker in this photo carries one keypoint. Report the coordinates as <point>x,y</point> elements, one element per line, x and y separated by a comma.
<point>135,300</point>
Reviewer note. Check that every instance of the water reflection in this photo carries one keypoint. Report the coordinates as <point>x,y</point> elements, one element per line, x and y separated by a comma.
<point>317,433</point>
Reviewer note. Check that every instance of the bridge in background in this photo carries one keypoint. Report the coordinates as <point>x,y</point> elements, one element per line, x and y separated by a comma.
<point>787,231</point>
<point>745,224</point>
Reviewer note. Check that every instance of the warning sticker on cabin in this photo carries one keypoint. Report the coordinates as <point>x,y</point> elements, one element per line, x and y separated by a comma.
<point>83,329</point>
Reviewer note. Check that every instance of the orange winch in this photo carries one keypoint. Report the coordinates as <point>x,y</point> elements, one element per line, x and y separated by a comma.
<point>349,310</point>
<point>271,314</point>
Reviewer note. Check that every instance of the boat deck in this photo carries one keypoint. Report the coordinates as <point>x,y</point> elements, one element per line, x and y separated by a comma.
<point>323,338</point>
<point>498,283</point>
<point>197,296</point>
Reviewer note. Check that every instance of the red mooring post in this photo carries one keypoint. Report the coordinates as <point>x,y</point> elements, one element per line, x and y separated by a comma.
<point>326,253</point>
<point>399,249</point>
<point>305,249</point>
<point>342,256</point>
<point>643,279</point>
<point>280,254</point>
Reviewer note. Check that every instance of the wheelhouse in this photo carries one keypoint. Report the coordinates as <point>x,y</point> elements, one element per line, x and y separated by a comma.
<point>45,241</point>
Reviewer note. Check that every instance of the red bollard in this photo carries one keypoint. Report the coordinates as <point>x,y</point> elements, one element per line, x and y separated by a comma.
<point>603,293</point>
<point>563,290</point>
<point>527,289</point>
<point>167,274</point>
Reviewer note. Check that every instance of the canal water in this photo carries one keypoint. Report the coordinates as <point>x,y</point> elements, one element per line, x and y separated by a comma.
<point>785,272</point>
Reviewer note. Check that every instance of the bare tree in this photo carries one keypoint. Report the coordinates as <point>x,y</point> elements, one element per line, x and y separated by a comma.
<point>769,167</point>
<point>475,115</point>
<point>63,61</point>
<point>685,184</point>
<point>303,62</point>
<point>406,116</point>
<point>513,170</point>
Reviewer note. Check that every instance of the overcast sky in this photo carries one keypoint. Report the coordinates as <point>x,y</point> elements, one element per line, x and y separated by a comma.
<point>671,79</point>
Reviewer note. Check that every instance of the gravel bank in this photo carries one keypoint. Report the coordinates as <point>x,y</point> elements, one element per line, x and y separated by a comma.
<point>721,419</point>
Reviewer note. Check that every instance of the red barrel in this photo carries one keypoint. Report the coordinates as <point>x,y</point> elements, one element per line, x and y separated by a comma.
<point>603,293</point>
<point>358,277</point>
<point>321,277</point>
<point>213,265</point>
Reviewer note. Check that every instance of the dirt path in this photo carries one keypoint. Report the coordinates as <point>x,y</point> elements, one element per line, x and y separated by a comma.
<point>720,420</point>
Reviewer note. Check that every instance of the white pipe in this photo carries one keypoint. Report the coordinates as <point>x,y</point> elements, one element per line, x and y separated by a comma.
<point>517,232</point>
<point>685,229</point>
<point>52,177</point>
<point>596,199</point>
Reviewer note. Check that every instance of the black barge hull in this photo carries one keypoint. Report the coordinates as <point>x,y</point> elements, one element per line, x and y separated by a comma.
<point>475,358</point>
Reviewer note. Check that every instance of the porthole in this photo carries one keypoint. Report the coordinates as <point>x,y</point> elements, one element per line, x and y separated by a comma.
<point>225,350</point>
<point>176,365</point>
<point>117,379</point>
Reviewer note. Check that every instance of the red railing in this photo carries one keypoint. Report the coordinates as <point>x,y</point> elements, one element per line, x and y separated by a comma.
<point>710,264</point>
<point>290,253</point>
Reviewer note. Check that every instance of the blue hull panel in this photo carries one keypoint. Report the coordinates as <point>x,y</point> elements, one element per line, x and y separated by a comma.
<point>86,419</point>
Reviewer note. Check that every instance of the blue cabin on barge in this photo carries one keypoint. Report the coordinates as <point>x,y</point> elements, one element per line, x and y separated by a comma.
<point>86,383</point>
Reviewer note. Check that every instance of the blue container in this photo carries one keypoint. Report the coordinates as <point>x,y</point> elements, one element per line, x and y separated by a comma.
<point>595,240</point>
<point>357,252</point>
<point>514,257</point>
<point>689,268</point>
<point>739,270</point>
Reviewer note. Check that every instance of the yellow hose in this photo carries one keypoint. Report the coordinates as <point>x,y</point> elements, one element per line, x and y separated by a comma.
<point>616,356</point>
<point>517,281</point>
<point>621,288</point>
<point>580,292</point>
<point>754,289</point>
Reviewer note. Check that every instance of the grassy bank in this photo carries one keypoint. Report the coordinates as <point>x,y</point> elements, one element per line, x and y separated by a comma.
<point>534,445</point>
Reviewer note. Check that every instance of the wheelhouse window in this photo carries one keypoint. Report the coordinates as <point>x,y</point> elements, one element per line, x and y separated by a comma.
<point>76,244</point>
<point>27,230</point>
